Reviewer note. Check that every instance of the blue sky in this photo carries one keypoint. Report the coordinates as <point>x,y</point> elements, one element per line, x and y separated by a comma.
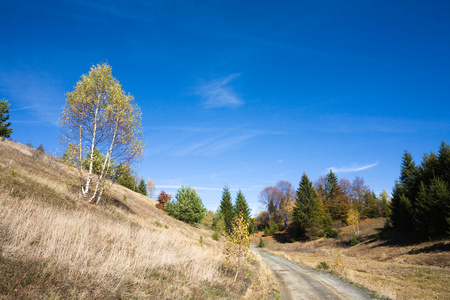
<point>243,93</point>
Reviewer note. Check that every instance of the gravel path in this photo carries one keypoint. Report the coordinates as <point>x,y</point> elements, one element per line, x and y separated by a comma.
<point>298,282</point>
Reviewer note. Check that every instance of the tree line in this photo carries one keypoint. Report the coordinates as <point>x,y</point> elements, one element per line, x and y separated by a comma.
<point>309,211</point>
<point>421,196</point>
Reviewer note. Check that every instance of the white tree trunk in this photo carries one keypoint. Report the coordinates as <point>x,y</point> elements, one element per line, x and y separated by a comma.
<point>105,168</point>
<point>88,181</point>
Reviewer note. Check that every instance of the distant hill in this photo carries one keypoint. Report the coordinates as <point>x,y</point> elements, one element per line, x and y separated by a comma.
<point>53,244</point>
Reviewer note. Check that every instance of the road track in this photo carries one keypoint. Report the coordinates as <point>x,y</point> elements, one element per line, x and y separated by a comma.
<point>299,282</point>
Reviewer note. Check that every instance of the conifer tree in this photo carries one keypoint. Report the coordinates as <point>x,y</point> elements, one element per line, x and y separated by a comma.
<point>308,210</point>
<point>443,168</point>
<point>432,209</point>
<point>336,201</point>
<point>241,207</point>
<point>5,127</point>
<point>142,187</point>
<point>187,207</point>
<point>226,209</point>
<point>403,195</point>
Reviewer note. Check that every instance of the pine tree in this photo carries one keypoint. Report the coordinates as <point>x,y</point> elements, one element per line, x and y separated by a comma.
<point>187,207</point>
<point>226,209</point>
<point>241,207</point>
<point>142,187</point>
<point>5,127</point>
<point>308,211</point>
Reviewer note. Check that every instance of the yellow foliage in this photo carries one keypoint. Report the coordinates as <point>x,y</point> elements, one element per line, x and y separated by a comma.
<point>353,219</point>
<point>237,254</point>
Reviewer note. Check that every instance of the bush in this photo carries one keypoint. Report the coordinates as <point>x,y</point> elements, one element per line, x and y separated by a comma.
<point>200,241</point>
<point>323,265</point>
<point>40,148</point>
<point>354,241</point>
<point>261,243</point>
<point>328,228</point>
<point>158,223</point>
<point>215,236</point>
<point>272,228</point>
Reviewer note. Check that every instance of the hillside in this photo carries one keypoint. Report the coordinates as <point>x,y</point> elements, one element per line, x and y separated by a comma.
<point>387,263</point>
<point>54,245</point>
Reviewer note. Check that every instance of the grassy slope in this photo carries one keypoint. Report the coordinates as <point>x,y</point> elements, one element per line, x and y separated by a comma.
<point>54,245</point>
<point>401,270</point>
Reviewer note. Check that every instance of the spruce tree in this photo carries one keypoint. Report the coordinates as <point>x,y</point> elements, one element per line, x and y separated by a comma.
<point>336,201</point>
<point>241,207</point>
<point>443,168</point>
<point>403,195</point>
<point>226,209</point>
<point>142,187</point>
<point>5,127</point>
<point>432,209</point>
<point>308,211</point>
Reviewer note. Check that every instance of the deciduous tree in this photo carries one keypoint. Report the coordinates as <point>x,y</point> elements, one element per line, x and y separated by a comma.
<point>269,200</point>
<point>99,114</point>
<point>163,199</point>
<point>237,254</point>
<point>150,187</point>
<point>286,194</point>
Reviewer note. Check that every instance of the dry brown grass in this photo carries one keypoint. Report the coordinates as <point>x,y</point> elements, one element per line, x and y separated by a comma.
<point>395,271</point>
<point>54,245</point>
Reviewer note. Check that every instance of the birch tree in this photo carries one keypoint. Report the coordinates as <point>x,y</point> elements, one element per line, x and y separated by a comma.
<point>99,114</point>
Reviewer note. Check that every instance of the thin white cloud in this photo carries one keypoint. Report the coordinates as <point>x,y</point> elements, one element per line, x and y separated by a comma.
<point>218,93</point>
<point>28,107</point>
<point>37,92</point>
<point>351,169</point>
<point>176,187</point>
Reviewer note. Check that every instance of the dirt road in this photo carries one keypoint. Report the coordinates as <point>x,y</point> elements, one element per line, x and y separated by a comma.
<point>298,282</point>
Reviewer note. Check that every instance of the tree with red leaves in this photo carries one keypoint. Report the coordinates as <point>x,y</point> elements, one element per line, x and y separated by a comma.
<point>163,198</point>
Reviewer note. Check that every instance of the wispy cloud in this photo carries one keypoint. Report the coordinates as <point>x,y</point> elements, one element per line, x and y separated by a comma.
<point>218,93</point>
<point>176,187</point>
<point>37,92</point>
<point>351,169</point>
<point>21,108</point>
